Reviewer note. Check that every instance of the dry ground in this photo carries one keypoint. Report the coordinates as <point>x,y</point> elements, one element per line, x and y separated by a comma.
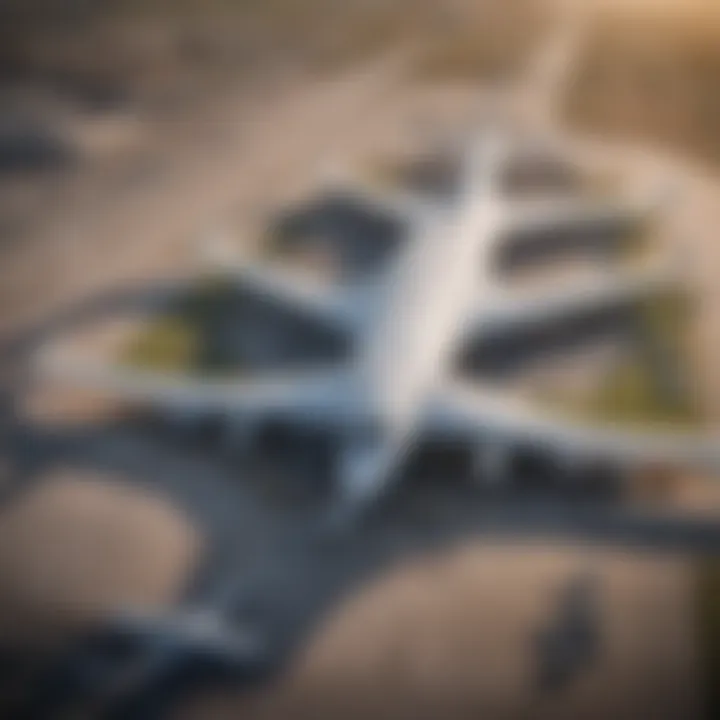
<point>453,637</point>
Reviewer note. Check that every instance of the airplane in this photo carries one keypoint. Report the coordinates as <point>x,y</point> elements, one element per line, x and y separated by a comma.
<point>407,322</point>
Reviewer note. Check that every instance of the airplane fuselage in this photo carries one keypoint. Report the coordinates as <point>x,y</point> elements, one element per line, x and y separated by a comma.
<point>429,298</point>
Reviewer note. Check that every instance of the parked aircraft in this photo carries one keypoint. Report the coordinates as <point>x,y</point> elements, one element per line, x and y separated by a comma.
<point>408,321</point>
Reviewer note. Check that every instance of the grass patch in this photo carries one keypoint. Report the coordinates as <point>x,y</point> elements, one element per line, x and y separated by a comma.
<point>650,385</point>
<point>653,386</point>
<point>629,396</point>
<point>168,344</point>
<point>187,338</point>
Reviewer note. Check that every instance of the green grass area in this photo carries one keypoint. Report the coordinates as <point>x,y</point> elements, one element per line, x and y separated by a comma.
<point>650,385</point>
<point>629,394</point>
<point>169,344</point>
<point>184,339</point>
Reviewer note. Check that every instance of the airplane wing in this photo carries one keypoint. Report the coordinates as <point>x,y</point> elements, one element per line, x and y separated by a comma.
<point>310,394</point>
<point>523,310</point>
<point>480,414</point>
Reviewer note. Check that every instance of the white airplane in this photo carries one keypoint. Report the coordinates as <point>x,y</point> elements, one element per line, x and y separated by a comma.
<point>399,385</point>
